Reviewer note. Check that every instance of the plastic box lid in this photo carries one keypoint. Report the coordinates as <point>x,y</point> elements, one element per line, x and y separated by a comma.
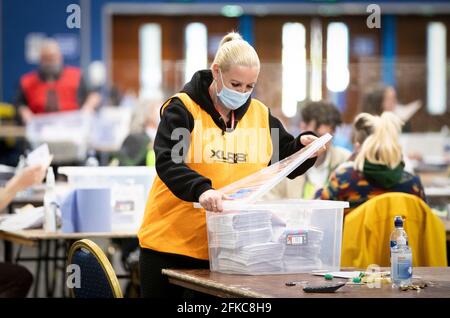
<point>251,188</point>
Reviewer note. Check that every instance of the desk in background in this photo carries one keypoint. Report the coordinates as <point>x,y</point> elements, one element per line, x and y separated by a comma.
<point>273,286</point>
<point>45,256</point>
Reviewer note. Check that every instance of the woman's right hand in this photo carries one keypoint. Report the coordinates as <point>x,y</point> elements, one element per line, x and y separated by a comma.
<point>211,200</point>
<point>28,177</point>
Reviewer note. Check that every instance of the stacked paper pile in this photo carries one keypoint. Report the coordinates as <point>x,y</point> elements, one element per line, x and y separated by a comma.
<point>260,258</point>
<point>302,249</point>
<point>243,242</point>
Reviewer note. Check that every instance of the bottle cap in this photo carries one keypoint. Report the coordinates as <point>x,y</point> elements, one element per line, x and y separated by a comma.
<point>398,221</point>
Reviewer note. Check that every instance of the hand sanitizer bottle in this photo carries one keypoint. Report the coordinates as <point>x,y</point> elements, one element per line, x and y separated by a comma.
<point>50,204</point>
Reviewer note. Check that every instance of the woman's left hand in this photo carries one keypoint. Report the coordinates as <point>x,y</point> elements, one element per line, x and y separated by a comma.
<point>307,139</point>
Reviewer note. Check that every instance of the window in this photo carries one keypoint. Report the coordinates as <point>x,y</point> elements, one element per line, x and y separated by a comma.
<point>316,61</point>
<point>196,49</point>
<point>338,75</point>
<point>436,68</point>
<point>150,60</point>
<point>293,67</point>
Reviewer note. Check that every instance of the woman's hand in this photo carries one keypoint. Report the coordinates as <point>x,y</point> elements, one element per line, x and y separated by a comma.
<point>28,177</point>
<point>307,139</point>
<point>211,200</point>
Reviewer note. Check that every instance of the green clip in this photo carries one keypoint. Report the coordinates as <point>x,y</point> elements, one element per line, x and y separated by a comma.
<point>356,280</point>
<point>328,276</point>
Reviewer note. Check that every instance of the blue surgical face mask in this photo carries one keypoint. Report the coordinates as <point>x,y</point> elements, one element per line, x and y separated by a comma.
<point>230,98</point>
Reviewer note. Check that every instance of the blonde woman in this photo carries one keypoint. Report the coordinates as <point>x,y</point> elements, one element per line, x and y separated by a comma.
<point>378,166</point>
<point>211,134</point>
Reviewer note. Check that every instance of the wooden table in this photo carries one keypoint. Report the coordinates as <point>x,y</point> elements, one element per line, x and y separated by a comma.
<point>273,286</point>
<point>33,237</point>
<point>47,257</point>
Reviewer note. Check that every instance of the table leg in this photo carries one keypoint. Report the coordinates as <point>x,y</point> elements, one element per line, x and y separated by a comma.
<point>50,273</point>
<point>38,269</point>
<point>8,251</point>
<point>66,247</point>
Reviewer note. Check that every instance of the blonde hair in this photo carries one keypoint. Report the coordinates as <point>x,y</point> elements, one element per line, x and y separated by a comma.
<point>382,146</point>
<point>233,50</point>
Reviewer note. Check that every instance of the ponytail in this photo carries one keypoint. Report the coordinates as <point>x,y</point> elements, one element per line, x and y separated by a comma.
<point>382,146</point>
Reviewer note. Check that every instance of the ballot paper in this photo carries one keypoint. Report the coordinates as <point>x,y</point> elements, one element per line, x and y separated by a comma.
<point>239,221</point>
<point>233,267</point>
<point>234,230</point>
<point>265,257</point>
<point>295,237</point>
<point>236,239</point>
<point>29,219</point>
<point>253,254</point>
<point>302,249</point>
<point>301,264</point>
<point>39,156</point>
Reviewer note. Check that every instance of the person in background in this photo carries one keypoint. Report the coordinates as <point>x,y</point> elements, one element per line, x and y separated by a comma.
<point>362,128</point>
<point>322,117</point>
<point>378,99</point>
<point>381,98</point>
<point>26,178</point>
<point>137,148</point>
<point>53,87</point>
<point>377,168</point>
<point>16,280</point>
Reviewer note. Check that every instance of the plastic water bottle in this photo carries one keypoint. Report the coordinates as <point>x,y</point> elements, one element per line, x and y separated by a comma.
<point>401,255</point>
<point>398,231</point>
<point>50,204</point>
<point>91,160</point>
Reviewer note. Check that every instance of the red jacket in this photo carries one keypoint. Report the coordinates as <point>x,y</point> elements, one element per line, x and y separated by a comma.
<point>66,88</point>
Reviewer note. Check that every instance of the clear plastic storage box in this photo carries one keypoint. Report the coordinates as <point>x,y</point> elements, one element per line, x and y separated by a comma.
<point>275,237</point>
<point>129,190</point>
<point>66,133</point>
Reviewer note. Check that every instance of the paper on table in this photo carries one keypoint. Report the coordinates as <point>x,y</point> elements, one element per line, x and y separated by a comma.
<point>39,156</point>
<point>29,219</point>
<point>352,274</point>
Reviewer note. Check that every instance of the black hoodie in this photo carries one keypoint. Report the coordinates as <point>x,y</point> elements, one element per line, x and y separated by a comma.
<point>186,183</point>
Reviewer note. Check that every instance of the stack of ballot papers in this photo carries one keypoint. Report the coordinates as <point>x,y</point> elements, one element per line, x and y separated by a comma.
<point>302,248</point>
<point>301,264</point>
<point>239,221</point>
<point>236,239</point>
<point>243,242</point>
<point>264,257</point>
<point>256,242</point>
<point>28,217</point>
<point>234,230</point>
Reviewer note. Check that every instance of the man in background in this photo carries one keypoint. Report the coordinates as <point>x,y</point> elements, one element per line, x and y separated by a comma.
<point>321,117</point>
<point>53,87</point>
